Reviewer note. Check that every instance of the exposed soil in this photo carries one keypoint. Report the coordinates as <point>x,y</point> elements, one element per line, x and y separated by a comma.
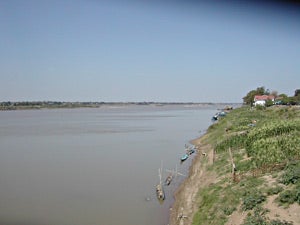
<point>276,212</point>
<point>184,207</point>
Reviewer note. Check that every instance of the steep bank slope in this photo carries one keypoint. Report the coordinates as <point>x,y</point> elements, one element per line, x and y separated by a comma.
<point>249,172</point>
<point>185,206</point>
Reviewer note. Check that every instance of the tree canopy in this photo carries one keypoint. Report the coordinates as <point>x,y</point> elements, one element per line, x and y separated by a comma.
<point>249,98</point>
<point>292,100</point>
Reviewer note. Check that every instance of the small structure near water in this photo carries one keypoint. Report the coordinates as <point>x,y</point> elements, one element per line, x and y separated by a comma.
<point>159,188</point>
<point>217,115</point>
<point>172,174</point>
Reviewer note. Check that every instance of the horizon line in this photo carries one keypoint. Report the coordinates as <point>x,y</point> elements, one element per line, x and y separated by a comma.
<point>118,102</point>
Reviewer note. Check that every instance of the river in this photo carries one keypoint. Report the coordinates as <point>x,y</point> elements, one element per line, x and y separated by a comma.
<point>93,166</point>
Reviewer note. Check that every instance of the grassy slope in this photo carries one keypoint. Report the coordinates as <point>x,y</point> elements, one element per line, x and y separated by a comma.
<point>259,143</point>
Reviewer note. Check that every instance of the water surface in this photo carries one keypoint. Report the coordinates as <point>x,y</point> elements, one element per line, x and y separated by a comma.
<point>92,166</point>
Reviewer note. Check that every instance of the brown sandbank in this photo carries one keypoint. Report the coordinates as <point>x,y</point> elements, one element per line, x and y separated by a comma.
<point>184,206</point>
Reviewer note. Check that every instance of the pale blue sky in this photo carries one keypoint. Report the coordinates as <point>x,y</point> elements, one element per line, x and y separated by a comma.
<point>189,51</point>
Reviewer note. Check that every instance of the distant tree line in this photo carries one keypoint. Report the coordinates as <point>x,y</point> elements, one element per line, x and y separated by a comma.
<point>281,99</point>
<point>9,105</point>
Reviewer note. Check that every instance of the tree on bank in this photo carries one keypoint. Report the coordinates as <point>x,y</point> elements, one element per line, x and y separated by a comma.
<point>249,98</point>
<point>297,95</point>
<point>284,99</point>
<point>292,100</point>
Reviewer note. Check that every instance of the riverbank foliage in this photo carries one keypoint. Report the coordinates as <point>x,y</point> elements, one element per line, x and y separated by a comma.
<point>256,155</point>
<point>29,105</point>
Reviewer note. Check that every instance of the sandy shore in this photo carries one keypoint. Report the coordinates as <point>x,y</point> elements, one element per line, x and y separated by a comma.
<point>184,207</point>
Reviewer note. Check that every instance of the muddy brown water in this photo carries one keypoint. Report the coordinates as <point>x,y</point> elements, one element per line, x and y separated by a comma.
<point>93,166</point>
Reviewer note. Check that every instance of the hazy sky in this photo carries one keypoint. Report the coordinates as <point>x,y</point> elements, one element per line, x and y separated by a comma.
<point>174,51</point>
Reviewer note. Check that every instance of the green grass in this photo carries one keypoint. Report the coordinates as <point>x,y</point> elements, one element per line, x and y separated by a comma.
<point>258,139</point>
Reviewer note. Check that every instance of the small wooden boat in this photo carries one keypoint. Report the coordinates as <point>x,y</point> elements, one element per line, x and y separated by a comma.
<point>160,192</point>
<point>169,179</point>
<point>172,174</point>
<point>159,188</point>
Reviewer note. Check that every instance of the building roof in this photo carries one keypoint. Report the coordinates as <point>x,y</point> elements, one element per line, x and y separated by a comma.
<point>263,97</point>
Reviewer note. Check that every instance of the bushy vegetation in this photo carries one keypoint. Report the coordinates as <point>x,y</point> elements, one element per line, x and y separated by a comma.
<point>252,199</point>
<point>259,142</point>
<point>259,218</point>
<point>282,99</point>
<point>290,178</point>
<point>268,140</point>
<point>291,174</point>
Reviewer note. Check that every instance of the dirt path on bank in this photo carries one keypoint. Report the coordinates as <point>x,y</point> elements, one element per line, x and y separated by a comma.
<point>184,206</point>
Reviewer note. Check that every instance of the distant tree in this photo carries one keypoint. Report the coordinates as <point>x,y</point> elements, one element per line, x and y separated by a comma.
<point>297,96</point>
<point>7,103</point>
<point>283,96</point>
<point>269,103</point>
<point>262,91</point>
<point>285,101</point>
<point>282,99</point>
<point>292,100</point>
<point>274,93</point>
<point>249,98</point>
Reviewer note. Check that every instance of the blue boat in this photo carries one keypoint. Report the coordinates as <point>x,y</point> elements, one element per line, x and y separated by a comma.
<point>184,157</point>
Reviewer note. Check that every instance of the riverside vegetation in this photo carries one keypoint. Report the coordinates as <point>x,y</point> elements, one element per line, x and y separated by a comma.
<point>257,164</point>
<point>8,105</point>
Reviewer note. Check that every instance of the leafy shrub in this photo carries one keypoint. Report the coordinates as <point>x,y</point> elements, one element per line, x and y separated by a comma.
<point>274,190</point>
<point>274,142</point>
<point>252,200</point>
<point>278,222</point>
<point>297,194</point>
<point>260,107</point>
<point>228,210</point>
<point>259,218</point>
<point>287,197</point>
<point>292,174</point>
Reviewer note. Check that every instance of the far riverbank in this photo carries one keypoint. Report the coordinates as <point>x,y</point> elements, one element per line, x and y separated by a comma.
<point>34,105</point>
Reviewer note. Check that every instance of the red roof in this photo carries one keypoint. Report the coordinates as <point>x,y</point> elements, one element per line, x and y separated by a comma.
<point>263,97</point>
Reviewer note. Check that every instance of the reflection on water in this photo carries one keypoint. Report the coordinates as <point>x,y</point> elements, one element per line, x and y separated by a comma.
<point>92,166</point>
